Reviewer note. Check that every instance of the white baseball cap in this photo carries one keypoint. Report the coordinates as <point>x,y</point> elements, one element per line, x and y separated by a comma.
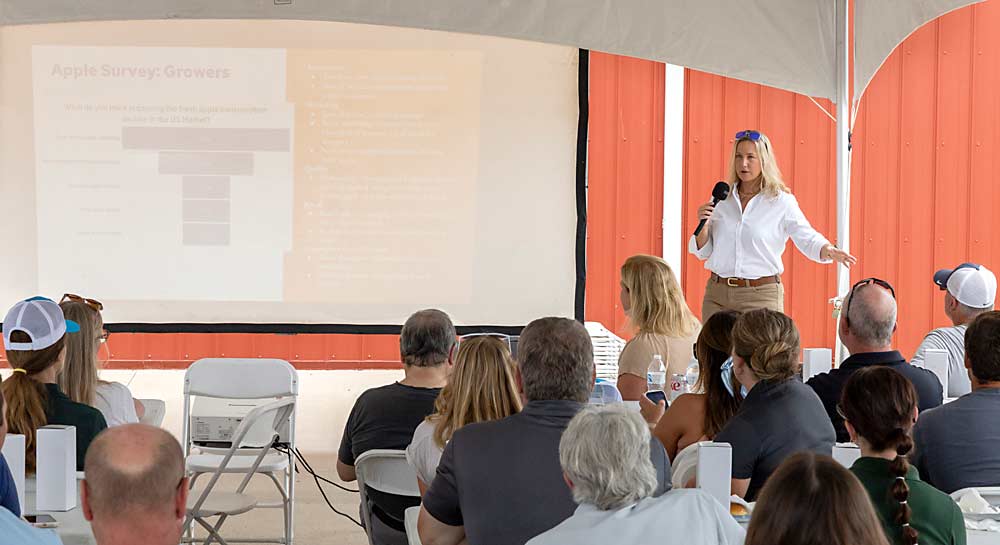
<point>970,284</point>
<point>42,319</point>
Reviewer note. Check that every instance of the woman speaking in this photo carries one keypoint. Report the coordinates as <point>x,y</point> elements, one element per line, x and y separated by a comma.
<point>746,233</point>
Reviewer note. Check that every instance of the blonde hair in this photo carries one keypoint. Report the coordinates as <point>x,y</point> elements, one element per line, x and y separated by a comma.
<point>772,183</point>
<point>481,388</point>
<point>769,342</point>
<point>26,397</point>
<point>657,303</point>
<point>78,379</point>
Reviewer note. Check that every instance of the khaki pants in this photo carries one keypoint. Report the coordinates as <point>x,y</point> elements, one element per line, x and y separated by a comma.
<point>721,296</point>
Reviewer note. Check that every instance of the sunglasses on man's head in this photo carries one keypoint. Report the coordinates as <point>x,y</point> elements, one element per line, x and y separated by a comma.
<point>748,135</point>
<point>876,281</point>
<point>92,303</point>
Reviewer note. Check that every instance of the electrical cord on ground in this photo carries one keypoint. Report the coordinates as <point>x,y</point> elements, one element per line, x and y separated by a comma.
<point>308,468</point>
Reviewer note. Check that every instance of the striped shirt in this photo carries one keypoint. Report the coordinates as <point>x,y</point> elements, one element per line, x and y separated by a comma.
<point>951,339</point>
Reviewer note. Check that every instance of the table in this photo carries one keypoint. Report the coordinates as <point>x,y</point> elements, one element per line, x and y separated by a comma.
<point>73,529</point>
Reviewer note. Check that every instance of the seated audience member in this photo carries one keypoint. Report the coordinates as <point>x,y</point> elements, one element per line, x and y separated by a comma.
<point>79,376</point>
<point>654,303</point>
<point>385,417</point>
<point>34,336</point>
<point>969,290</point>
<point>879,407</point>
<point>779,415</point>
<point>867,323</point>
<point>135,490</point>
<point>604,454</point>
<point>500,483</point>
<point>812,499</point>
<point>14,531</point>
<point>481,387</point>
<point>8,490</point>
<point>958,444</point>
<point>698,417</point>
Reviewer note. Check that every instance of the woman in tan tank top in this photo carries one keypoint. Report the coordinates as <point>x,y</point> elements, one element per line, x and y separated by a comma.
<point>662,322</point>
<point>698,417</point>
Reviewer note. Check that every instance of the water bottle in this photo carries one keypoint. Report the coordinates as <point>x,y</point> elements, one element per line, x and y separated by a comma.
<point>691,375</point>
<point>656,374</point>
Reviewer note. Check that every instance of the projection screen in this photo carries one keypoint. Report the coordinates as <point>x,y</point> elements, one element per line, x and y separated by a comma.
<point>257,172</point>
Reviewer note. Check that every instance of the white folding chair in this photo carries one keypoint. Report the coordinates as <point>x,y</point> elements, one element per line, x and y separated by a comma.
<point>846,454</point>
<point>156,409</point>
<point>387,471</point>
<point>252,440</point>
<point>237,378</point>
<point>412,514</point>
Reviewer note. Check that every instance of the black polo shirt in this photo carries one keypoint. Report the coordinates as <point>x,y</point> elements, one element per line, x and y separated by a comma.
<point>60,410</point>
<point>828,386</point>
<point>502,479</point>
<point>776,420</point>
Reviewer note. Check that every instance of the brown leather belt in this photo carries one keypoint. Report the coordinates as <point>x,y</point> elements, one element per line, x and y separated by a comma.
<point>746,282</point>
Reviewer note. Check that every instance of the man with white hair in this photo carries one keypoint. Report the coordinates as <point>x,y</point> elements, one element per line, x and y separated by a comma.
<point>867,322</point>
<point>604,454</point>
<point>969,290</point>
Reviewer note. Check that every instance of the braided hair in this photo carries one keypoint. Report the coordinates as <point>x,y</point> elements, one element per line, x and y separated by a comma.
<point>879,403</point>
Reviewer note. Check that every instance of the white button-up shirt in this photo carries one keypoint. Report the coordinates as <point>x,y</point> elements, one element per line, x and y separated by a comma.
<point>749,244</point>
<point>690,516</point>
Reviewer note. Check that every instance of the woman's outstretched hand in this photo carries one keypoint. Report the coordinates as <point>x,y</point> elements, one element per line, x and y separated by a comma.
<point>834,253</point>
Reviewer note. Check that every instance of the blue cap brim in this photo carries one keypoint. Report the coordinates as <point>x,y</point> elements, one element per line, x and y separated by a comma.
<point>72,327</point>
<point>941,278</point>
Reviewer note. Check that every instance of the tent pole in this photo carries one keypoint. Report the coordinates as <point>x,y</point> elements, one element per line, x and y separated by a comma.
<point>843,136</point>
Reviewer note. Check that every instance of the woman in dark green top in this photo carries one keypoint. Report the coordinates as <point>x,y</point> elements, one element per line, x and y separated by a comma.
<point>880,407</point>
<point>34,332</point>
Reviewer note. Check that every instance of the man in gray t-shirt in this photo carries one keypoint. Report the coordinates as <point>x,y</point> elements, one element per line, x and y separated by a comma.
<point>500,483</point>
<point>970,290</point>
<point>957,445</point>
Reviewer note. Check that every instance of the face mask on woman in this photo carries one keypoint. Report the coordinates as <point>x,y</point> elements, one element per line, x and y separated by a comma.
<point>727,378</point>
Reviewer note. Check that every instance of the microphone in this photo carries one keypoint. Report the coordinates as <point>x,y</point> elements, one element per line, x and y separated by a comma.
<point>719,193</point>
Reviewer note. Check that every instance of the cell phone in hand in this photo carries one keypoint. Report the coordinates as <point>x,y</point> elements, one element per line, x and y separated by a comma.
<point>656,396</point>
<point>41,521</point>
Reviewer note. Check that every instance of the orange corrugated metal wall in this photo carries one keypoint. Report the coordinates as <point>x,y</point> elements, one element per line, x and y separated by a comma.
<point>927,131</point>
<point>924,165</point>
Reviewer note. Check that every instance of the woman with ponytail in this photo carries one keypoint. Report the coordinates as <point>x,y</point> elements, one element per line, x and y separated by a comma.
<point>34,334</point>
<point>779,416</point>
<point>879,406</point>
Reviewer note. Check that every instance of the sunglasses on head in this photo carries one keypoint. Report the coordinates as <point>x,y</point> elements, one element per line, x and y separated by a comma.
<point>501,336</point>
<point>748,135</point>
<point>92,303</point>
<point>876,281</point>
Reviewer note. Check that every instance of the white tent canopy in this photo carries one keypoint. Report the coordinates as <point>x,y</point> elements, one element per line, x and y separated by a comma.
<point>788,44</point>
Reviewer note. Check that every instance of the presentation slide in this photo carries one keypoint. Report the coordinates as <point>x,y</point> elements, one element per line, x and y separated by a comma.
<point>288,172</point>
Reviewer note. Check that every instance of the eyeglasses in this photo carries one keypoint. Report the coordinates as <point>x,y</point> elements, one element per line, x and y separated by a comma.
<point>877,281</point>
<point>92,303</point>
<point>840,412</point>
<point>748,135</point>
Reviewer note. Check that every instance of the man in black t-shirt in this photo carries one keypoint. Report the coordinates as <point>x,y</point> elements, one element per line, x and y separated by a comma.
<point>385,417</point>
<point>866,327</point>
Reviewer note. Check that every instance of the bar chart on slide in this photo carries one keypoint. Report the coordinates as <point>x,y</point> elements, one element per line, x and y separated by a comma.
<point>207,160</point>
<point>203,163</point>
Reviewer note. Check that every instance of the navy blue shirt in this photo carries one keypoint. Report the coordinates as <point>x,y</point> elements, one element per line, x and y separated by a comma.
<point>8,491</point>
<point>776,420</point>
<point>502,479</point>
<point>828,386</point>
<point>958,445</point>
